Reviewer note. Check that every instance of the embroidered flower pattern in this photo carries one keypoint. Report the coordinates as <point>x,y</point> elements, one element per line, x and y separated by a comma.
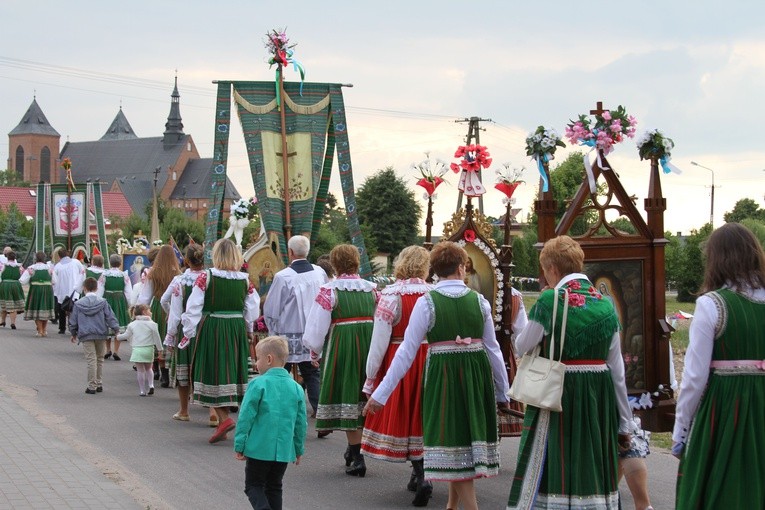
<point>202,282</point>
<point>574,285</point>
<point>576,300</point>
<point>325,298</point>
<point>177,290</point>
<point>251,289</point>
<point>594,293</point>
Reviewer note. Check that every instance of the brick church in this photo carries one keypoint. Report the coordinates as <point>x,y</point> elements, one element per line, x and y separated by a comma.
<point>121,160</point>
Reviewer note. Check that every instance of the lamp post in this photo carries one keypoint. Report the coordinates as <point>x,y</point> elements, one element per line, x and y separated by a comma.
<point>712,204</point>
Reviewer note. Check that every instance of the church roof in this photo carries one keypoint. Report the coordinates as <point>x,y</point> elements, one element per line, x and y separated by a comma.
<point>34,122</point>
<point>26,199</point>
<point>120,129</point>
<point>196,181</point>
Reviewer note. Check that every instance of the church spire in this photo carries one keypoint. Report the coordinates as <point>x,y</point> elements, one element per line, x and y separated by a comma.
<point>174,126</point>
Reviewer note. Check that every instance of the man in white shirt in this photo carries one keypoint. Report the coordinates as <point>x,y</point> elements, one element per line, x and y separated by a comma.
<point>3,258</point>
<point>68,275</point>
<point>289,300</point>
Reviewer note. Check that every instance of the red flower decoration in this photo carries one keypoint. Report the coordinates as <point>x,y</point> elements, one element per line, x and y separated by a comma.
<point>507,189</point>
<point>469,235</point>
<point>576,300</point>
<point>574,284</point>
<point>430,186</point>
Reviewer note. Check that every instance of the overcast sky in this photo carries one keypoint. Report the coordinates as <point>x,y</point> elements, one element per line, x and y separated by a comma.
<point>694,69</point>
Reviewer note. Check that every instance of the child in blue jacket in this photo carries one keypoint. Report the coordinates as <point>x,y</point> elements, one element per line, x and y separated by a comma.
<point>272,425</point>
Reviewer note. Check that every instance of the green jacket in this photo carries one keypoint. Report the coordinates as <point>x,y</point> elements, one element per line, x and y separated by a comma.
<point>272,419</point>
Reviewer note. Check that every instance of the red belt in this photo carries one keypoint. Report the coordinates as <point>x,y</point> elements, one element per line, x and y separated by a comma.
<point>584,362</point>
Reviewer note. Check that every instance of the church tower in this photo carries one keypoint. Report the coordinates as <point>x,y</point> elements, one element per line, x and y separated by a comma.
<point>33,147</point>
<point>174,126</point>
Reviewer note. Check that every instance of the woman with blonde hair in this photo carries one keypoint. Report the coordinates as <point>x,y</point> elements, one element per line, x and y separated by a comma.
<point>568,459</point>
<point>719,420</point>
<point>219,317</point>
<point>345,309</point>
<point>464,382</point>
<point>395,433</point>
<point>163,269</point>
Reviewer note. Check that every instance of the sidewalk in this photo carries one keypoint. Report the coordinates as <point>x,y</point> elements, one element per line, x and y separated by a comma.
<point>38,470</point>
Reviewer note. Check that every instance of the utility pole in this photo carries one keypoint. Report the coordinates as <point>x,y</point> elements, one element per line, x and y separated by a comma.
<point>473,134</point>
<point>155,212</point>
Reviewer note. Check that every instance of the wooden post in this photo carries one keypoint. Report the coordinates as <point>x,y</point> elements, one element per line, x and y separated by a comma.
<point>285,159</point>
<point>429,225</point>
<point>546,207</point>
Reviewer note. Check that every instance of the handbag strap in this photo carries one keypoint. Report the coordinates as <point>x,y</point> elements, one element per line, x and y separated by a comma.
<point>563,324</point>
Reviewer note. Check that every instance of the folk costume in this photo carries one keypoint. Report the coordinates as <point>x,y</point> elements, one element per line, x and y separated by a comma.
<point>40,302</point>
<point>220,313</point>
<point>173,301</point>
<point>720,409</point>
<point>115,287</point>
<point>569,459</point>
<point>395,432</point>
<point>345,309</point>
<point>464,379</point>
<point>11,293</point>
<point>95,272</point>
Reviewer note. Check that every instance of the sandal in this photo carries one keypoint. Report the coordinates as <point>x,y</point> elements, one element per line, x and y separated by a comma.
<point>181,417</point>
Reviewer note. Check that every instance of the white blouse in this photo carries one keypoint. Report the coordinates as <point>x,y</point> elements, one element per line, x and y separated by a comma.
<point>30,271</point>
<point>698,357</point>
<point>172,302</point>
<point>420,323</point>
<point>117,273</point>
<point>193,314</point>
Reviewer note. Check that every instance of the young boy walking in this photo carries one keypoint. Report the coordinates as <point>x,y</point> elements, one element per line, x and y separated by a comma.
<point>271,429</point>
<point>92,321</point>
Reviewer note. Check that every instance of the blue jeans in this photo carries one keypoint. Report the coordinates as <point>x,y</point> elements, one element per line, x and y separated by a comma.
<point>311,381</point>
<point>263,483</point>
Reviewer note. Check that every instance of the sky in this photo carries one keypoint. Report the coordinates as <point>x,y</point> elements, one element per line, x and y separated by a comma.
<point>693,69</point>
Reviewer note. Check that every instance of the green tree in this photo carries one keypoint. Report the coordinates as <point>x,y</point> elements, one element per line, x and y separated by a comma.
<point>134,223</point>
<point>744,209</point>
<point>673,261</point>
<point>16,230</point>
<point>692,265</point>
<point>757,228</point>
<point>11,178</point>
<point>176,224</point>
<point>162,208</point>
<point>389,208</point>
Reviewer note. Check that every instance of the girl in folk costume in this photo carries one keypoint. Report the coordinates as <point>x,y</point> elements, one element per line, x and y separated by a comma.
<point>568,459</point>
<point>96,268</point>
<point>719,423</point>
<point>464,380</point>
<point>173,301</point>
<point>395,433</point>
<point>114,285</point>
<point>11,293</point>
<point>345,308</point>
<point>219,317</point>
<point>40,305</point>
<point>162,271</point>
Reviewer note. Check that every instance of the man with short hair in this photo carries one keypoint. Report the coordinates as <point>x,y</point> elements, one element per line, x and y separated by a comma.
<point>68,275</point>
<point>3,257</point>
<point>286,308</point>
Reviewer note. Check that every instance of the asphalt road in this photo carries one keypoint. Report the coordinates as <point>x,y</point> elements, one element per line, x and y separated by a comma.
<point>169,464</point>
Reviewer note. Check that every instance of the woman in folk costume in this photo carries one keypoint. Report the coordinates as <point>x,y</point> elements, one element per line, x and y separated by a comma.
<point>219,317</point>
<point>720,417</point>
<point>40,305</point>
<point>163,269</point>
<point>465,379</point>
<point>96,268</point>
<point>569,459</point>
<point>174,303</point>
<point>395,433</point>
<point>11,293</point>
<point>345,309</point>
<point>114,286</point>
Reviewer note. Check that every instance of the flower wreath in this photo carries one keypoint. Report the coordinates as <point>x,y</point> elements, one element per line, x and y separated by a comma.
<point>473,158</point>
<point>432,174</point>
<point>601,131</point>
<point>541,146</point>
<point>655,144</point>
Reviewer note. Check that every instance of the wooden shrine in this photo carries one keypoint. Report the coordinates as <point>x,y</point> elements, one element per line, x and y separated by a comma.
<point>627,269</point>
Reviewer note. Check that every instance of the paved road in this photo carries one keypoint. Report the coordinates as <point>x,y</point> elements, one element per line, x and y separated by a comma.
<point>122,440</point>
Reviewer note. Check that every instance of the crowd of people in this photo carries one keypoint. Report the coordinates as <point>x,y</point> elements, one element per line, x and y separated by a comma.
<point>415,373</point>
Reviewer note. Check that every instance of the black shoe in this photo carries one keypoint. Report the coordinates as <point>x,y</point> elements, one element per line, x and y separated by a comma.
<point>90,392</point>
<point>116,357</point>
<point>321,434</point>
<point>165,378</point>
<point>358,467</point>
<point>412,485</point>
<point>13,326</point>
<point>100,389</point>
<point>151,391</point>
<point>348,456</point>
<point>108,355</point>
<point>424,489</point>
<point>2,324</point>
<point>54,321</point>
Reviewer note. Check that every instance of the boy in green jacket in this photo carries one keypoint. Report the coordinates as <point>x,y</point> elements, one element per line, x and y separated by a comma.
<point>272,424</point>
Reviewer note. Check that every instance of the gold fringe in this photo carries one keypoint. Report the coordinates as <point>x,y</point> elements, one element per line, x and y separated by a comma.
<point>299,109</point>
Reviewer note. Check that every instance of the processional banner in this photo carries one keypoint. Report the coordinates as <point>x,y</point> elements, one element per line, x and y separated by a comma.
<point>315,125</point>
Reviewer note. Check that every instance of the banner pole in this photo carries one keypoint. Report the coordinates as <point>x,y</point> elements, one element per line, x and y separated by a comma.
<point>285,158</point>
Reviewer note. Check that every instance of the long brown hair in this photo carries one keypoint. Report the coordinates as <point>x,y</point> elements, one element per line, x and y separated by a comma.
<point>733,257</point>
<point>164,268</point>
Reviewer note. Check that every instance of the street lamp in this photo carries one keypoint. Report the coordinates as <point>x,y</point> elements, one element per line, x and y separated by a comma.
<point>712,206</point>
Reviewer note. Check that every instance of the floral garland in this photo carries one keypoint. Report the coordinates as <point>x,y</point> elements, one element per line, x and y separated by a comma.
<point>123,245</point>
<point>158,242</point>
<point>473,158</point>
<point>655,144</point>
<point>541,146</point>
<point>494,261</point>
<point>245,209</point>
<point>601,131</point>
<point>66,164</point>
<point>282,54</point>
<point>432,175</point>
<point>507,180</point>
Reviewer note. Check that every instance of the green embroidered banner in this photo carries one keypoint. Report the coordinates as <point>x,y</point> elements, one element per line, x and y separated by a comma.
<point>214,224</point>
<point>98,209</point>
<point>40,223</point>
<point>68,213</point>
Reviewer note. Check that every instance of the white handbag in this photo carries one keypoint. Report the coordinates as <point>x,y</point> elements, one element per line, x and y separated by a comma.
<point>539,381</point>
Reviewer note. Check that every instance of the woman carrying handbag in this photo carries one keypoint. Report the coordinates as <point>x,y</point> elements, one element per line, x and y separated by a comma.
<point>568,459</point>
